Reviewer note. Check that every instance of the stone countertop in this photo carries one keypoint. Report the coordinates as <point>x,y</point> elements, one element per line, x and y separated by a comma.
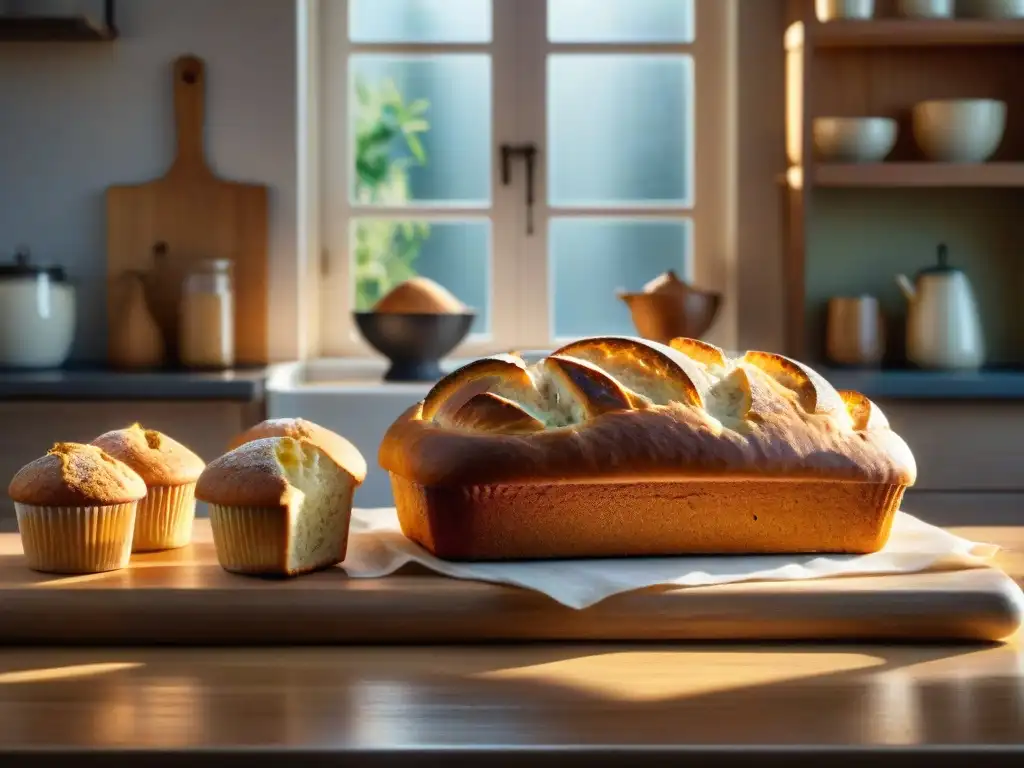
<point>96,383</point>
<point>249,384</point>
<point>994,384</point>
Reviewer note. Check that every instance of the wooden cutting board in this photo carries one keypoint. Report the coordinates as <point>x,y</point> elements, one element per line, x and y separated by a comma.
<point>198,216</point>
<point>183,597</point>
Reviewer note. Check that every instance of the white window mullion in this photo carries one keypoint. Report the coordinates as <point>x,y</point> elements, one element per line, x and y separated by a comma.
<point>714,161</point>
<point>531,93</point>
<point>335,273</point>
<point>508,219</point>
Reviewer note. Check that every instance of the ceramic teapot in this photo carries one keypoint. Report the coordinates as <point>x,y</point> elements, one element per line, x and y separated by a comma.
<point>943,324</point>
<point>669,307</point>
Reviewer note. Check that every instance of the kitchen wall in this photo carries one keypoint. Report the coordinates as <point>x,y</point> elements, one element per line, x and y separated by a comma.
<point>75,118</point>
<point>858,240</point>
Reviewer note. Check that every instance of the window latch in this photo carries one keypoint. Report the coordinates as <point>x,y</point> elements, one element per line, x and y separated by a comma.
<point>529,154</point>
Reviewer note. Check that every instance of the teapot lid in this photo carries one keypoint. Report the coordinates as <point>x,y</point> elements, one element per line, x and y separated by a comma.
<point>22,267</point>
<point>942,266</point>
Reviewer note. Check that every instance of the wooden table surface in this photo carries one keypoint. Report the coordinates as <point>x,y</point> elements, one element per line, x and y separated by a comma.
<point>532,705</point>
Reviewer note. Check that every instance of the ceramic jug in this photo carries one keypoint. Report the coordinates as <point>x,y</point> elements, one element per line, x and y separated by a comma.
<point>943,325</point>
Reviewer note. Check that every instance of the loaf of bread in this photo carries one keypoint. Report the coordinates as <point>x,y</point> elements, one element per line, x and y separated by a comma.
<point>617,446</point>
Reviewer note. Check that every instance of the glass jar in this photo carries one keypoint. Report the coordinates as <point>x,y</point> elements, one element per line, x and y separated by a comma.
<point>207,316</point>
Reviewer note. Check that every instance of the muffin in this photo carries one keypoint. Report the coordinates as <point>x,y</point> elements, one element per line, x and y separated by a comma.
<point>170,470</point>
<point>76,509</point>
<point>280,505</point>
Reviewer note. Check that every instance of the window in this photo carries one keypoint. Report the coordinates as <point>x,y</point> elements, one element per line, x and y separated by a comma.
<point>420,96</point>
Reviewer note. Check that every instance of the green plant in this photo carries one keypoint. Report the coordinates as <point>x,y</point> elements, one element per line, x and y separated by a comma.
<point>387,145</point>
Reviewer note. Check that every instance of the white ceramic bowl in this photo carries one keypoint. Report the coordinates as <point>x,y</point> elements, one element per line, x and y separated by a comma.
<point>926,9</point>
<point>853,139</point>
<point>832,10</point>
<point>959,130</point>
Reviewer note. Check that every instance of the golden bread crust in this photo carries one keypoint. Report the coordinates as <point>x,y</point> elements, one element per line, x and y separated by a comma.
<point>76,475</point>
<point>340,450</point>
<point>488,410</point>
<point>247,476</point>
<point>700,351</point>
<point>155,457</point>
<point>761,416</point>
<point>482,373</point>
<point>648,367</point>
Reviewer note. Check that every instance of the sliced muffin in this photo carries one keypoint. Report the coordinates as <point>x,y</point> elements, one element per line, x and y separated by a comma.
<point>281,505</point>
<point>170,471</point>
<point>337,447</point>
<point>76,509</point>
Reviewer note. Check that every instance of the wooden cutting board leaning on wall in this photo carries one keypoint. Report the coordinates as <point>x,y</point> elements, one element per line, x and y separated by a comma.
<point>198,216</point>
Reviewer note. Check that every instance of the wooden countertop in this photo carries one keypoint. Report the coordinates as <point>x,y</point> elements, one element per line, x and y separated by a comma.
<point>534,705</point>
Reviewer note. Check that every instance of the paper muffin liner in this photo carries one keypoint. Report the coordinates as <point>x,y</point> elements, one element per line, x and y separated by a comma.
<point>77,539</point>
<point>250,539</point>
<point>164,519</point>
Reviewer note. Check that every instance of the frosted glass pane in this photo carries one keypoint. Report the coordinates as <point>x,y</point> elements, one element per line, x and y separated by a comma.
<point>620,21</point>
<point>419,21</point>
<point>620,130</point>
<point>422,128</point>
<point>592,259</point>
<point>456,254</point>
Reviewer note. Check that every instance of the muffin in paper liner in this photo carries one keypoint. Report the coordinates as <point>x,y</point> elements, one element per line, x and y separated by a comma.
<point>165,517</point>
<point>281,499</point>
<point>77,540</point>
<point>252,540</point>
<point>170,471</point>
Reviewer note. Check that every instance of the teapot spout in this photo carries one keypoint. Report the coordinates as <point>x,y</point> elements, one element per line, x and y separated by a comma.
<point>907,287</point>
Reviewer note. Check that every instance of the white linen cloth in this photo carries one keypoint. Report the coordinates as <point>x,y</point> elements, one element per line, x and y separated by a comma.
<point>377,548</point>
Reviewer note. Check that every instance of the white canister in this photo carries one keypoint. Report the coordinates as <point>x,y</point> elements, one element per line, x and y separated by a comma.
<point>37,314</point>
<point>207,318</point>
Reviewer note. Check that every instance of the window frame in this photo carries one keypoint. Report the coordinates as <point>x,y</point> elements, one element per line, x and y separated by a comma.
<point>520,315</point>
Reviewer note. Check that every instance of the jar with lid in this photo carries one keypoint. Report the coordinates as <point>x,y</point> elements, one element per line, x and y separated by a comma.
<point>207,316</point>
<point>37,314</point>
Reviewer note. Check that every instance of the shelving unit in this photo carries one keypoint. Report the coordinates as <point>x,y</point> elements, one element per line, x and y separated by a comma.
<point>850,227</point>
<point>919,174</point>
<point>916,33</point>
<point>60,29</point>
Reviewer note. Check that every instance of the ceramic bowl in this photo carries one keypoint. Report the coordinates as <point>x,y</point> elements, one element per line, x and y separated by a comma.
<point>959,130</point>
<point>415,344</point>
<point>661,317</point>
<point>853,139</point>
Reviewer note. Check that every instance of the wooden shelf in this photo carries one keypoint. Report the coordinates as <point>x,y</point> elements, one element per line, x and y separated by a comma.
<point>916,33</point>
<point>919,175</point>
<point>37,29</point>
